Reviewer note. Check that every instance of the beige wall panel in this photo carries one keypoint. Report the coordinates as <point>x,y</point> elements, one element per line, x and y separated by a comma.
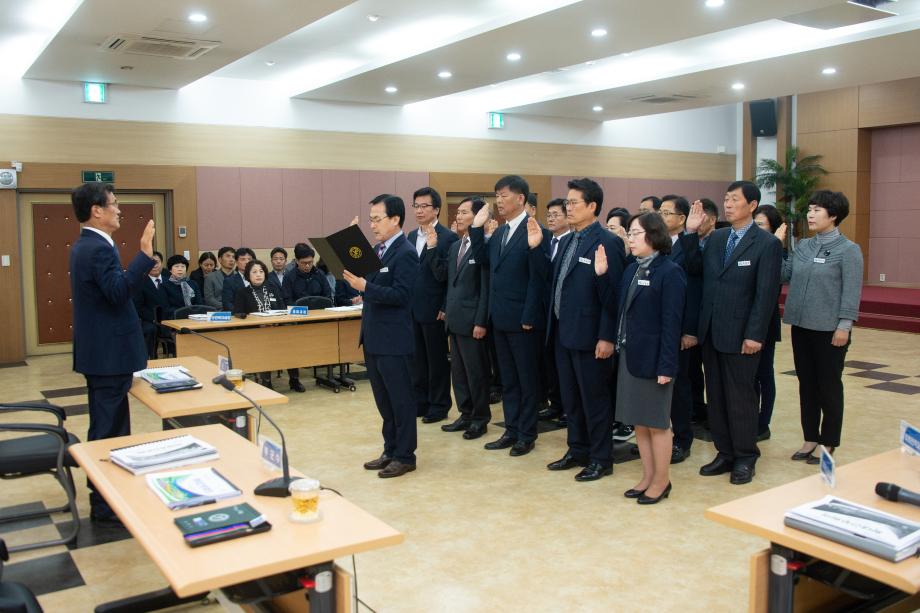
<point>47,139</point>
<point>837,109</point>
<point>889,104</point>
<point>12,341</point>
<point>838,149</point>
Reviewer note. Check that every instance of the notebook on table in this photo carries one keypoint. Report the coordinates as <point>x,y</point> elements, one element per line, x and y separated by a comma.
<point>221,524</point>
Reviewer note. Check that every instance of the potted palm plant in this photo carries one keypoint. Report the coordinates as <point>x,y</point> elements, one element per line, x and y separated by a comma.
<point>794,182</point>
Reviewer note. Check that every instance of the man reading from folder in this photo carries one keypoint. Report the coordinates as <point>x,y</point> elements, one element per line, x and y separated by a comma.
<point>108,343</point>
<point>386,334</point>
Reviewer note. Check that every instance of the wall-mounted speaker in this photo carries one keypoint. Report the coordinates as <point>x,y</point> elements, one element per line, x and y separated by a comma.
<point>763,117</point>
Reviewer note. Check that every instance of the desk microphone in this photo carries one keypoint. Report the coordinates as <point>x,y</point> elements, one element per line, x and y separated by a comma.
<point>213,340</point>
<point>273,487</point>
<point>894,493</point>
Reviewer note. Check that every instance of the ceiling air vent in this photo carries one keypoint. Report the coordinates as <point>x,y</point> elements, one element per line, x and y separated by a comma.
<point>654,99</point>
<point>177,49</point>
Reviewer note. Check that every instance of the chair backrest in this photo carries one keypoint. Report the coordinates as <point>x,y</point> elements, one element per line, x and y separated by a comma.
<point>314,302</point>
<point>195,309</point>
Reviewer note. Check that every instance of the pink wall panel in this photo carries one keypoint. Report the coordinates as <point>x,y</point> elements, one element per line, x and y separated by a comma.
<point>616,194</point>
<point>895,224</point>
<point>557,186</point>
<point>908,256</point>
<point>302,204</point>
<point>219,214</point>
<point>894,196</point>
<point>910,154</point>
<point>406,184</point>
<point>342,200</point>
<point>886,155</point>
<point>884,258</point>
<point>260,203</point>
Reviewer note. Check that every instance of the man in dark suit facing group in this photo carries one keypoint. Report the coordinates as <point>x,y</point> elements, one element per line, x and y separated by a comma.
<point>386,335</point>
<point>108,344</point>
<point>432,370</point>
<point>741,278</point>
<point>517,308</point>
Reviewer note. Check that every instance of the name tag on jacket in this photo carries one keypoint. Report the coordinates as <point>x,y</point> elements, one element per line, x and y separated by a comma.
<point>471,262</point>
<point>744,262</point>
<point>584,260</point>
<point>644,282</point>
<point>384,269</point>
<point>819,260</point>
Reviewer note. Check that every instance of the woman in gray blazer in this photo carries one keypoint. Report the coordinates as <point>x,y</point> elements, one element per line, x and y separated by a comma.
<point>825,282</point>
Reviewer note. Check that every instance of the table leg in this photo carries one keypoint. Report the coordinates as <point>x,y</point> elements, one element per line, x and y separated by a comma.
<point>781,583</point>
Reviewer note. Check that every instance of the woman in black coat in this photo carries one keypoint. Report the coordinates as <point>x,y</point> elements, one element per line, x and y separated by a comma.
<point>180,290</point>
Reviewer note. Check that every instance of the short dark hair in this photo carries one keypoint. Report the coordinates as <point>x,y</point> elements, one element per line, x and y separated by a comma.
<point>590,191</point>
<point>280,250</point>
<point>835,203</point>
<point>656,232</point>
<point>622,213</point>
<point>206,255</point>
<point>656,201</point>
<point>476,203</point>
<point>751,192</point>
<point>303,250</point>
<point>223,250</point>
<point>532,199</point>
<point>176,259</point>
<point>245,251</point>
<point>428,191</point>
<point>158,255</point>
<point>681,205</point>
<point>774,218</point>
<point>393,206</point>
<point>560,202</point>
<point>515,184</point>
<point>252,264</point>
<point>710,208</point>
<point>88,195</point>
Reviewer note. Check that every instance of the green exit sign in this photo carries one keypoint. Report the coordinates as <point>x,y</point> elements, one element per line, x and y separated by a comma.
<point>98,176</point>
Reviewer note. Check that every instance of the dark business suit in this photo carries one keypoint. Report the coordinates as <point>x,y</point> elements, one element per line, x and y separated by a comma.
<point>686,254</point>
<point>738,300</point>
<point>466,306</point>
<point>108,343</point>
<point>232,284</point>
<point>386,335</point>
<point>431,367</point>
<point>150,303</point>
<point>297,285</point>
<point>582,320</point>
<point>175,299</point>
<point>517,297</point>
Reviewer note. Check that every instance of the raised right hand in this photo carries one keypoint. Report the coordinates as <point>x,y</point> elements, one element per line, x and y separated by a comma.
<point>695,219</point>
<point>147,239</point>
<point>600,261</point>
<point>481,217</point>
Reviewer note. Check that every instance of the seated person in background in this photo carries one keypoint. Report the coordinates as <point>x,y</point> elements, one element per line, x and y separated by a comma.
<point>207,263</point>
<point>214,283</point>
<point>180,290</point>
<point>342,293</point>
<point>260,296</point>
<point>279,266</point>
<point>150,303</point>
<point>244,255</point>
<point>306,280</point>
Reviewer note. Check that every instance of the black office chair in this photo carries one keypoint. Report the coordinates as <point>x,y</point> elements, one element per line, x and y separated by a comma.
<point>195,309</point>
<point>167,336</point>
<point>315,303</point>
<point>39,454</point>
<point>15,596</point>
<point>331,380</point>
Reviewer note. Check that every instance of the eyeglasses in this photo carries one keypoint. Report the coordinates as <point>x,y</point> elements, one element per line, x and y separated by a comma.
<point>570,203</point>
<point>420,206</point>
<point>668,213</point>
<point>374,220</point>
<point>554,215</point>
<point>635,233</point>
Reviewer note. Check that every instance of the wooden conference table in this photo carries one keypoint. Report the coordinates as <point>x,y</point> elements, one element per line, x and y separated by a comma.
<point>260,344</point>
<point>762,515</point>
<point>345,529</point>
<point>211,401</point>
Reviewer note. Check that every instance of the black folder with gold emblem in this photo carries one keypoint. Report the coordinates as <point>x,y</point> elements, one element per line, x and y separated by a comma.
<point>349,250</point>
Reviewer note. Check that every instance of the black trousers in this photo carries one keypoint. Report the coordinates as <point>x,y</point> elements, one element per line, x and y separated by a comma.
<point>469,371</point>
<point>495,377</point>
<point>583,381</point>
<point>517,354</point>
<point>819,368</point>
<point>108,417</point>
<point>150,338</point>
<point>733,403</point>
<point>697,382</point>
<point>431,372</point>
<point>549,375</point>
<point>390,377</point>
<point>682,403</point>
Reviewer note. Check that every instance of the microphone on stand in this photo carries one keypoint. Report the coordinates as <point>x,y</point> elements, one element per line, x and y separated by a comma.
<point>273,487</point>
<point>894,493</point>
<point>213,340</point>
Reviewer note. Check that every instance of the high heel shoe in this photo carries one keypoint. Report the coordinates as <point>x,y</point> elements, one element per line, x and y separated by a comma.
<point>633,493</point>
<point>813,459</point>
<point>643,499</point>
<point>798,456</point>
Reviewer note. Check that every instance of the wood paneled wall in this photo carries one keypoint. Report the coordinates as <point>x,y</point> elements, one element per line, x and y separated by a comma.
<point>12,340</point>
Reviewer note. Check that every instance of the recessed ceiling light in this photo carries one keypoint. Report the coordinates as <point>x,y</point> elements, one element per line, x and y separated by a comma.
<point>598,32</point>
<point>373,17</point>
<point>591,62</point>
<point>198,17</point>
<point>391,89</point>
<point>829,70</point>
<point>270,63</point>
<point>737,86</point>
<point>714,4</point>
<point>513,56</point>
<point>445,74</point>
<point>597,108</point>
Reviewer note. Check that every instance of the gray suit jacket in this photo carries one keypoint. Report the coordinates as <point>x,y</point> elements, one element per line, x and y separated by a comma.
<point>467,301</point>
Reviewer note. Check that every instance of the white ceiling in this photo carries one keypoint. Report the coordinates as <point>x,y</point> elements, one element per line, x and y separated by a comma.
<point>328,50</point>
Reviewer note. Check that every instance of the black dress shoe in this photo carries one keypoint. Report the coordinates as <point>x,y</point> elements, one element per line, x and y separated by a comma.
<point>566,462</point>
<point>719,466</point>
<point>643,499</point>
<point>495,397</point>
<point>395,469</point>
<point>816,459</point>
<point>562,422</point>
<point>799,456</point>
<point>679,454</point>
<point>502,443</point>
<point>593,472</point>
<point>430,419</point>
<point>764,434</point>
<point>379,463</point>
<point>267,382</point>
<point>297,386</point>
<point>521,448</point>
<point>474,432</point>
<point>633,493</point>
<point>548,414</point>
<point>456,426</point>
<point>742,473</point>
<point>104,517</point>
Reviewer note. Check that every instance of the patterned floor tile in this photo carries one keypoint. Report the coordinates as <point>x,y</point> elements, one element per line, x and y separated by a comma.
<point>91,533</point>
<point>47,574</point>
<point>22,524</point>
<point>898,388</point>
<point>67,391</point>
<point>863,365</point>
<point>878,376</point>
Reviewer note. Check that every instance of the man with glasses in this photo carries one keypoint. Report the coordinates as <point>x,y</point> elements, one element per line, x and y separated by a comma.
<point>516,308</point>
<point>558,226</point>
<point>431,372</point>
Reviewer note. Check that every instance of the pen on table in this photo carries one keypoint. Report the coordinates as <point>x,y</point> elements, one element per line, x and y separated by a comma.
<point>196,503</point>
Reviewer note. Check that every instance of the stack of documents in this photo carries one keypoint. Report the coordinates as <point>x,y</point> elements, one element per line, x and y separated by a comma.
<point>880,534</point>
<point>168,378</point>
<point>165,453</point>
<point>344,309</point>
<point>271,313</point>
<point>183,489</point>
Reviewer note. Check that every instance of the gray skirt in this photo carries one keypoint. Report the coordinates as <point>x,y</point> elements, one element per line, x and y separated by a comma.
<point>642,402</point>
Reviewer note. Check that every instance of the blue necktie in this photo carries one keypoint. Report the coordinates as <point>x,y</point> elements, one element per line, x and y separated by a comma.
<point>730,246</point>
